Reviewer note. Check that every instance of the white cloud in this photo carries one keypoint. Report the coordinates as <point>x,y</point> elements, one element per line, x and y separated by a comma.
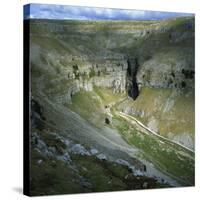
<point>78,12</point>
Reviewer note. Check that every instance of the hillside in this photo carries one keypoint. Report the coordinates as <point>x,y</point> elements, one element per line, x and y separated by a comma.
<point>84,73</point>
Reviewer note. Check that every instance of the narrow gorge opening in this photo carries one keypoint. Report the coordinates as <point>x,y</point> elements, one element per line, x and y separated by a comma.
<point>131,84</point>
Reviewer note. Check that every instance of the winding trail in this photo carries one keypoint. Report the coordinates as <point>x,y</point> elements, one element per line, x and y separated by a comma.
<point>107,140</point>
<point>129,118</point>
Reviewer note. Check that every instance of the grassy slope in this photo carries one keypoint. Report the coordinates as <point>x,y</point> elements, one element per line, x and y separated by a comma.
<point>168,158</point>
<point>87,105</point>
<point>53,176</point>
<point>91,105</point>
<point>91,35</point>
<point>171,159</point>
<point>178,119</point>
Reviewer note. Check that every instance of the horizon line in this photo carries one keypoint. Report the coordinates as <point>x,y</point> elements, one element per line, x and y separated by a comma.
<point>83,13</point>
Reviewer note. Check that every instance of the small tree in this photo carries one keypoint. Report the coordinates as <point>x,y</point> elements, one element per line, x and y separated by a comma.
<point>99,73</point>
<point>76,71</point>
<point>92,72</point>
<point>107,121</point>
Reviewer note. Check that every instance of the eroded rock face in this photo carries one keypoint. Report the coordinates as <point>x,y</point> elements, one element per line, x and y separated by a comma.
<point>124,58</point>
<point>153,124</point>
<point>165,71</point>
<point>110,73</point>
<point>185,139</point>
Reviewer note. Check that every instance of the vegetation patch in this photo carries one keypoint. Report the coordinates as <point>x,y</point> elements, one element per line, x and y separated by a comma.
<point>165,156</point>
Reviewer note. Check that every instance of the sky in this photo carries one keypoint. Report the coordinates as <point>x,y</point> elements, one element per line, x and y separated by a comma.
<point>50,11</point>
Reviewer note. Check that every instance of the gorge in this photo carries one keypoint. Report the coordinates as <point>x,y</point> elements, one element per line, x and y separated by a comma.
<point>89,80</point>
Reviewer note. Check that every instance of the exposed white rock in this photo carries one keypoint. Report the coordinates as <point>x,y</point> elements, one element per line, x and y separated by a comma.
<point>65,158</point>
<point>168,105</point>
<point>123,162</point>
<point>67,142</point>
<point>138,173</point>
<point>41,145</point>
<point>153,124</point>
<point>184,139</point>
<point>79,149</point>
<point>93,151</point>
<point>86,85</point>
<point>39,162</point>
<point>132,168</point>
<point>101,156</point>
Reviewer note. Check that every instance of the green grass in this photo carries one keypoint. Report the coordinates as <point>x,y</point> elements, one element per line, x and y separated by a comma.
<point>89,106</point>
<point>163,155</point>
<point>92,34</point>
<point>49,43</point>
<point>152,101</point>
<point>104,25</point>
<point>53,176</point>
<point>107,95</point>
<point>108,176</point>
<point>57,88</point>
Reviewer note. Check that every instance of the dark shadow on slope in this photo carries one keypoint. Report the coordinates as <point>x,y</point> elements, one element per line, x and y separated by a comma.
<point>132,86</point>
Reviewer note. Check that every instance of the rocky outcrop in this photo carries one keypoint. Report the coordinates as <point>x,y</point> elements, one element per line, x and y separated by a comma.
<point>167,70</point>
<point>120,55</point>
<point>110,73</point>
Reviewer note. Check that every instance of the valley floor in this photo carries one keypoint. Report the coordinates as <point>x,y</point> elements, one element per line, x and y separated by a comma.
<point>124,139</point>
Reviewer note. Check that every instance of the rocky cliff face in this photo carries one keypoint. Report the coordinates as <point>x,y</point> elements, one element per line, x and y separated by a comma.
<point>164,70</point>
<point>122,56</point>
